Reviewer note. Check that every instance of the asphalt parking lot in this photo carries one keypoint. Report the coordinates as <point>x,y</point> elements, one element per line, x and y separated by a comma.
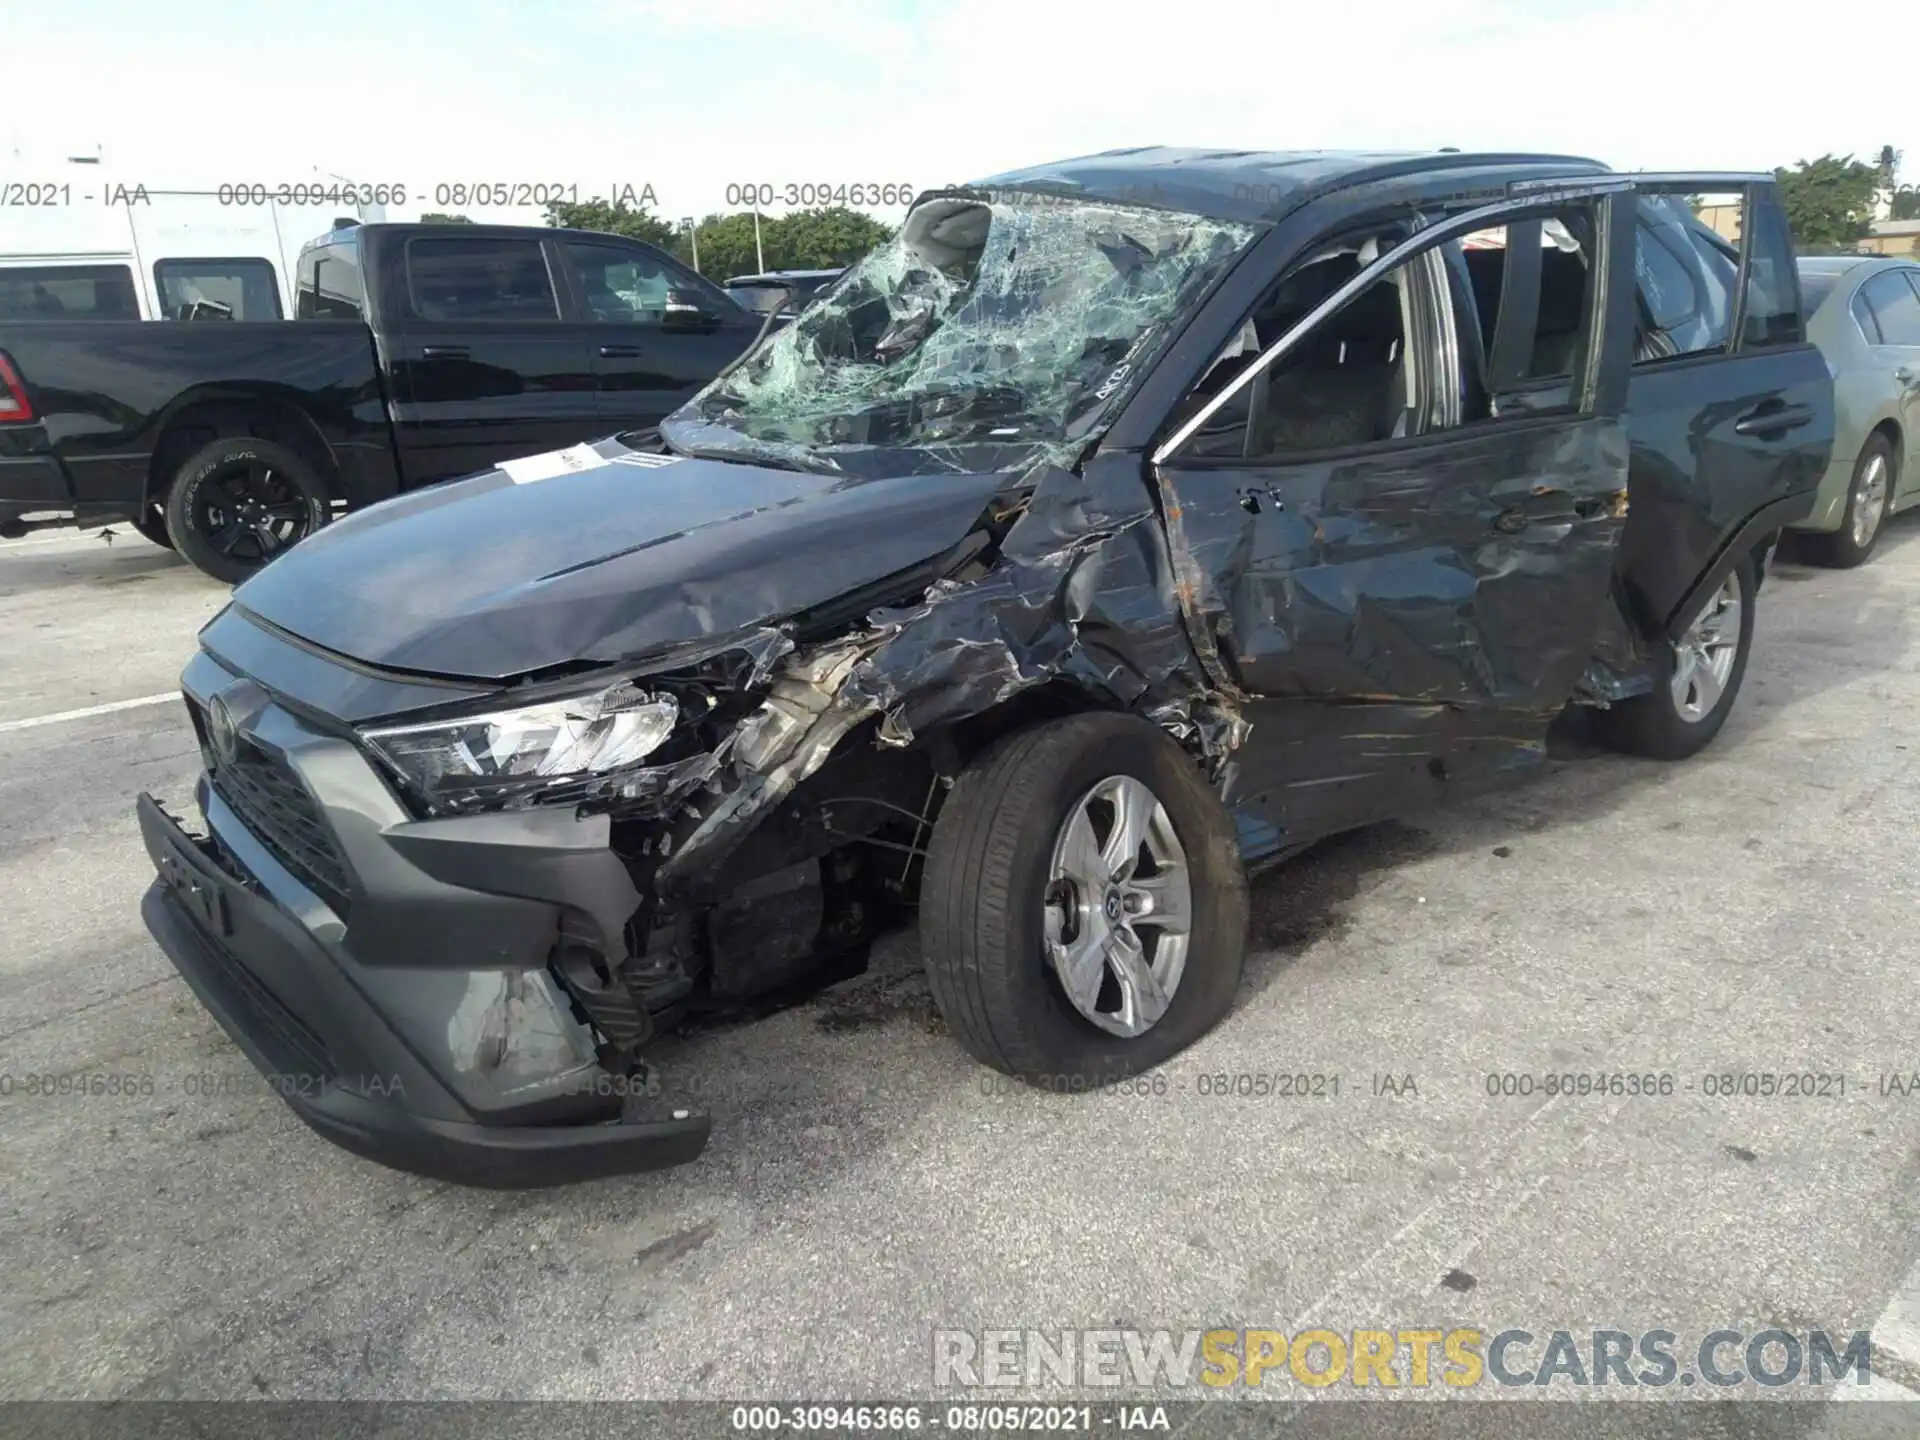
<point>1751,911</point>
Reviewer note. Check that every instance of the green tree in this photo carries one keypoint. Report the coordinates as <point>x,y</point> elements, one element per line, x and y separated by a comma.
<point>1829,201</point>
<point>726,245</point>
<point>613,218</point>
<point>1906,204</point>
<point>800,240</point>
<point>441,217</point>
<point>824,239</point>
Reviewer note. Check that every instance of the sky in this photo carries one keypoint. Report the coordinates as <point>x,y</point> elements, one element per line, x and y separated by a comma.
<point>690,98</point>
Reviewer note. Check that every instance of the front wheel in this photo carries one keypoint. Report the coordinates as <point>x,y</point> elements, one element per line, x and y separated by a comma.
<point>1084,911</point>
<point>1698,680</point>
<point>238,502</point>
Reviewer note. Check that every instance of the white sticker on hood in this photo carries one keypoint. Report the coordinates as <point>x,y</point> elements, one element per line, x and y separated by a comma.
<point>557,462</point>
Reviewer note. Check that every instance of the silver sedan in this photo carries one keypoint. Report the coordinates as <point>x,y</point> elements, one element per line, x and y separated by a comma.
<point>1864,314</point>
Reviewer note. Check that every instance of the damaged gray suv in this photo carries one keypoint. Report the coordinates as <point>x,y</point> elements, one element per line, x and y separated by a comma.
<point>1122,526</point>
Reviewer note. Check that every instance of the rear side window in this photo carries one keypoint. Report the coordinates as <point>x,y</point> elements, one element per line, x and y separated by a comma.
<point>68,292</point>
<point>1773,283</point>
<point>217,289</point>
<point>1685,280</point>
<point>480,279</point>
<point>1895,308</point>
<point>1863,317</point>
<point>329,284</point>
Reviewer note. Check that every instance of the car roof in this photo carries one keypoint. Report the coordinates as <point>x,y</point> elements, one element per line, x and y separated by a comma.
<point>1258,185</point>
<point>1834,264</point>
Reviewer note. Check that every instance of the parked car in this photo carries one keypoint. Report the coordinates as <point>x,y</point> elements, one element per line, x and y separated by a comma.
<point>1864,314</point>
<point>784,293</point>
<point>1120,527</point>
<point>419,353</point>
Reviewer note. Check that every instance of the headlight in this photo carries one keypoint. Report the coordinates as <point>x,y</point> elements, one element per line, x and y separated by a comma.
<point>548,753</point>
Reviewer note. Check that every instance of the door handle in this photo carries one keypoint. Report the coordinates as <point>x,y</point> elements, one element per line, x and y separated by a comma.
<point>619,352</point>
<point>1767,421</point>
<point>444,352</point>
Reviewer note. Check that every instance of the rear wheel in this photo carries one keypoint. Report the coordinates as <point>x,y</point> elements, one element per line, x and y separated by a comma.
<point>1084,912</point>
<point>1869,498</point>
<point>239,502</point>
<point>1698,681</point>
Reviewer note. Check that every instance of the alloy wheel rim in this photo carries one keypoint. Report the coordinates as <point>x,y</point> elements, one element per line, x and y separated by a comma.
<point>1703,659</point>
<point>248,512</point>
<point>1119,907</point>
<point>1870,501</point>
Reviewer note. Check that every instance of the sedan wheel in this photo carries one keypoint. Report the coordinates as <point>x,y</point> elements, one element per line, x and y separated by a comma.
<point>1870,501</point>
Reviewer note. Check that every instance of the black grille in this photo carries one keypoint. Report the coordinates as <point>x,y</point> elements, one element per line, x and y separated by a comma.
<point>273,804</point>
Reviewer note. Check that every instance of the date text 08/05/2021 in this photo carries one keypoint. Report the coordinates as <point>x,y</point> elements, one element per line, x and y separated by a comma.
<point>904,1419</point>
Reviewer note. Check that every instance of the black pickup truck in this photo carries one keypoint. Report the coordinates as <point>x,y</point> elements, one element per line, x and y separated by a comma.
<point>420,353</point>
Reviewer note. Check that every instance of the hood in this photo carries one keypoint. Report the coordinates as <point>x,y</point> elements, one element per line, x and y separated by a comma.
<point>600,553</point>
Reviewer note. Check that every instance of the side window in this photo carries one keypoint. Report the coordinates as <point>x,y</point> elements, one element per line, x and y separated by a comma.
<point>1895,307</point>
<point>618,284</point>
<point>1414,352</point>
<point>1530,284</point>
<point>67,292</point>
<point>1686,276</point>
<point>1863,317</point>
<point>1346,383</point>
<point>217,289</point>
<point>329,286</point>
<point>479,279</point>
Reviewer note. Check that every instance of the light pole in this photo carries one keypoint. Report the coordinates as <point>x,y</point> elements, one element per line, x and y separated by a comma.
<point>693,233</point>
<point>759,255</point>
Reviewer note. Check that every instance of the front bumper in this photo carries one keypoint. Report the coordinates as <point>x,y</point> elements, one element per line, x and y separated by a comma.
<point>407,1014</point>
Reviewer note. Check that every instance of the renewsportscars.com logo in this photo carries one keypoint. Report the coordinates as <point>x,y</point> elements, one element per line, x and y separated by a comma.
<point>1410,1358</point>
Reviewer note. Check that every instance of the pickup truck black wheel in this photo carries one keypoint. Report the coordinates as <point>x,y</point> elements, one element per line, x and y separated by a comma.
<point>1869,498</point>
<point>239,502</point>
<point>1698,680</point>
<point>151,522</point>
<point>1083,914</point>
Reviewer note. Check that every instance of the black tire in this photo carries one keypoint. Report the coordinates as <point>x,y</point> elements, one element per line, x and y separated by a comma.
<point>1840,550</point>
<point>151,523</point>
<point>1652,724</point>
<point>983,896</point>
<point>205,515</point>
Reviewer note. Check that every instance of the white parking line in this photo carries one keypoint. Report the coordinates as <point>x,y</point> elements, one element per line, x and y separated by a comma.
<point>87,713</point>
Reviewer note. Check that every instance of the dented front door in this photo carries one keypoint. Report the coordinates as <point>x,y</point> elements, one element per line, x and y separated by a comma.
<point>1452,558</point>
<point>1429,576</point>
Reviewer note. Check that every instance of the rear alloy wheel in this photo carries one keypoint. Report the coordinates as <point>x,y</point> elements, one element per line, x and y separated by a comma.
<point>1699,680</point>
<point>239,502</point>
<point>1869,498</point>
<point>1084,912</point>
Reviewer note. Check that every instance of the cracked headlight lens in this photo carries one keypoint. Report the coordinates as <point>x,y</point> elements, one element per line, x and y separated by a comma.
<point>549,753</point>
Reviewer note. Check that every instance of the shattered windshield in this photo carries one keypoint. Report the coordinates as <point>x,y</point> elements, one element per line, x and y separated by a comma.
<point>1003,323</point>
